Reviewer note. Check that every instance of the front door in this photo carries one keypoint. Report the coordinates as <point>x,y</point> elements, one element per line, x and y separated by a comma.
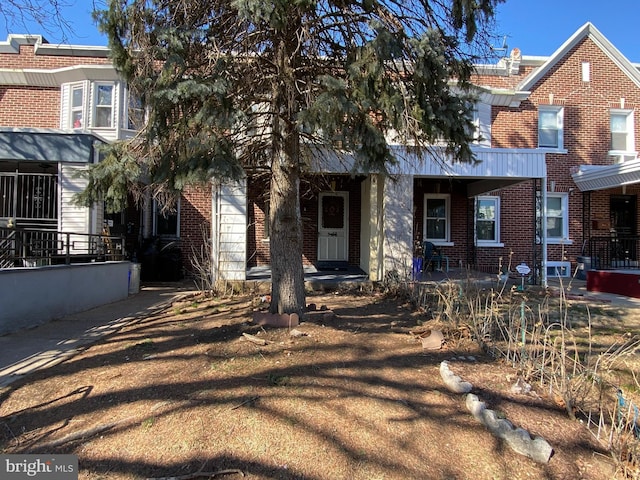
<point>623,214</point>
<point>333,231</point>
<point>623,226</point>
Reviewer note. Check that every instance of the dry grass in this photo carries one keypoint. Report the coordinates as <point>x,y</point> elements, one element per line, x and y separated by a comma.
<point>355,398</point>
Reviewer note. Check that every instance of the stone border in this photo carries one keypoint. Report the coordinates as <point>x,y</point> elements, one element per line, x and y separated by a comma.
<point>520,441</point>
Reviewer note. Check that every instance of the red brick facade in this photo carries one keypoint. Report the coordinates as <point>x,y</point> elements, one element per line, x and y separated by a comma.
<point>586,135</point>
<point>587,139</point>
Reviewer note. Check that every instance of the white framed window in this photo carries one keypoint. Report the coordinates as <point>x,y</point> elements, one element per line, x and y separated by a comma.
<point>622,127</point>
<point>135,118</point>
<point>166,224</point>
<point>103,99</point>
<point>559,269</point>
<point>76,108</point>
<point>488,221</point>
<point>557,218</point>
<point>551,127</point>
<point>437,218</point>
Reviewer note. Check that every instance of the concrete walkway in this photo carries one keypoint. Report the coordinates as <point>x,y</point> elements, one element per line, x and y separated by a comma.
<point>29,350</point>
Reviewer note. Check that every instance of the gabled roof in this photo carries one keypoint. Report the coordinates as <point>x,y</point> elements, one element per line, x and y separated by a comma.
<point>587,30</point>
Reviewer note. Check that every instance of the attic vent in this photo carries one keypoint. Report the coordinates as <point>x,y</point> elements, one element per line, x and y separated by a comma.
<point>586,72</point>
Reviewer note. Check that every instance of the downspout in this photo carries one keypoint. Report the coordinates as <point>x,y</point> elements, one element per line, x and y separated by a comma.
<point>544,230</point>
<point>215,230</point>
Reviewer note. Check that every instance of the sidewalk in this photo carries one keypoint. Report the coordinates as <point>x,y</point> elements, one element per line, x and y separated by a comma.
<point>28,350</point>
<point>577,290</point>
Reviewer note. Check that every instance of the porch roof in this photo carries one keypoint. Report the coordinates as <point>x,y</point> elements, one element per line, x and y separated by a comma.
<point>47,145</point>
<point>495,168</point>
<point>602,177</point>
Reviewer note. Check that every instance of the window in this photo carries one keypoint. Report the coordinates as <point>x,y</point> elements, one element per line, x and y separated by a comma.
<point>436,218</point>
<point>77,106</point>
<point>557,218</point>
<point>550,127</point>
<point>622,131</point>
<point>166,224</point>
<point>488,220</point>
<point>135,112</point>
<point>559,269</point>
<point>480,128</point>
<point>103,104</point>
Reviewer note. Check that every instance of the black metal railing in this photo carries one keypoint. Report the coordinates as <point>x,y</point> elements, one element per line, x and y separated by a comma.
<point>31,247</point>
<point>614,252</point>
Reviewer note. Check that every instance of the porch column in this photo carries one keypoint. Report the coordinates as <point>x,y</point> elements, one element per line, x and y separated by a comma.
<point>372,227</point>
<point>398,225</point>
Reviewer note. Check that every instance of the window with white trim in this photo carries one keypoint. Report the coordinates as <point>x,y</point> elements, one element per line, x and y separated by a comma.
<point>103,105</point>
<point>437,217</point>
<point>487,220</point>
<point>135,112</point>
<point>77,106</point>
<point>557,217</point>
<point>166,223</point>
<point>550,126</point>
<point>622,125</point>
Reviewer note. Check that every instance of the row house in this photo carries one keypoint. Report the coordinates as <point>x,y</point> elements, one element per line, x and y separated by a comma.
<point>58,105</point>
<point>555,184</point>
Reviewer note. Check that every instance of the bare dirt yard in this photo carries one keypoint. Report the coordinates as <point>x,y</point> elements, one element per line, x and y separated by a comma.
<point>352,396</point>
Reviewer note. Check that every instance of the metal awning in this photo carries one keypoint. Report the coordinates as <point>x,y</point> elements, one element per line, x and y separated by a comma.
<point>40,145</point>
<point>601,177</point>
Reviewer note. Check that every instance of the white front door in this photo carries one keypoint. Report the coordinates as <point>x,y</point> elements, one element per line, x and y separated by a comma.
<point>333,227</point>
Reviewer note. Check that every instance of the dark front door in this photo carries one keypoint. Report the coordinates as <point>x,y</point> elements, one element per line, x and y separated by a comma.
<point>624,242</point>
<point>623,214</point>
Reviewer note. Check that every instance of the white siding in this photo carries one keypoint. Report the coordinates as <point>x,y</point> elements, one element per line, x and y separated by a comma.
<point>398,225</point>
<point>72,218</point>
<point>484,124</point>
<point>64,106</point>
<point>492,163</point>
<point>230,240</point>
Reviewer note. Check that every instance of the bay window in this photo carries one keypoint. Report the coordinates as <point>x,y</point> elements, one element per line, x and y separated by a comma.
<point>103,105</point>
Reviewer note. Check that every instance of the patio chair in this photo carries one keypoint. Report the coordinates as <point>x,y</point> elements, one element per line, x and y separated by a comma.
<point>433,258</point>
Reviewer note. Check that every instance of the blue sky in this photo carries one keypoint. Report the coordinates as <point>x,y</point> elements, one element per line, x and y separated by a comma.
<point>536,27</point>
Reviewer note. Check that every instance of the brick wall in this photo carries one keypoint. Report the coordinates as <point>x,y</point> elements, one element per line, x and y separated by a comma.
<point>587,108</point>
<point>37,107</point>
<point>195,221</point>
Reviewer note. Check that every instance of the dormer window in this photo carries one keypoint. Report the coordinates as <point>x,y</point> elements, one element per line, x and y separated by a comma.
<point>103,104</point>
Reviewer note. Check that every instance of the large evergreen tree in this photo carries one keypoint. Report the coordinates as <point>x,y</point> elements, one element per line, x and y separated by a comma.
<point>237,84</point>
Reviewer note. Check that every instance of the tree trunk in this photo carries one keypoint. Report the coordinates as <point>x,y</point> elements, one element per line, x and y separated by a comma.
<point>287,273</point>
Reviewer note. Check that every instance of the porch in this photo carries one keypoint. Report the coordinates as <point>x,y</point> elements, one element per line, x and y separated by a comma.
<point>31,247</point>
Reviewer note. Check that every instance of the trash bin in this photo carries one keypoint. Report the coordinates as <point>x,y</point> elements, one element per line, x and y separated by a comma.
<point>134,278</point>
<point>584,264</point>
